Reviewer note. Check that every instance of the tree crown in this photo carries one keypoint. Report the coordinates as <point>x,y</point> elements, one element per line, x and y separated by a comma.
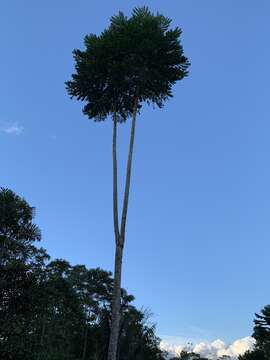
<point>135,60</point>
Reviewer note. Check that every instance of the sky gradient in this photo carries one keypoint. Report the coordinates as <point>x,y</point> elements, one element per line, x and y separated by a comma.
<point>197,251</point>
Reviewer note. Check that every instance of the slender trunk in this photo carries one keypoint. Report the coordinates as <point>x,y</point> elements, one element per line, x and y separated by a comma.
<point>128,173</point>
<point>118,256</point>
<point>115,190</point>
<point>85,343</point>
<point>119,237</point>
<point>116,303</point>
<point>41,342</point>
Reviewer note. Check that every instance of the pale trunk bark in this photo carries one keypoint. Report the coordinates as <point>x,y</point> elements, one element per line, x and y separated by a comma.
<point>116,304</point>
<point>128,173</point>
<point>115,190</point>
<point>119,237</point>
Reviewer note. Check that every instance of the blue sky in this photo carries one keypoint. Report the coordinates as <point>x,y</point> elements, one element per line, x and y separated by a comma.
<point>197,251</point>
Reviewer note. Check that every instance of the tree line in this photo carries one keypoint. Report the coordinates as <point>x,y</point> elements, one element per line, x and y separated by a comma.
<point>51,310</point>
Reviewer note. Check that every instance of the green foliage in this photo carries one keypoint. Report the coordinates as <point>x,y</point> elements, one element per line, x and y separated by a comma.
<point>17,230</point>
<point>253,355</point>
<point>50,310</point>
<point>139,340</point>
<point>188,355</point>
<point>262,328</point>
<point>136,59</point>
<point>261,332</point>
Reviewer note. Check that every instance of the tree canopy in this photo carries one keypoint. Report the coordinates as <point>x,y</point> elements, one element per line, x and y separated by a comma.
<point>253,355</point>
<point>261,331</point>
<point>136,59</point>
<point>17,230</point>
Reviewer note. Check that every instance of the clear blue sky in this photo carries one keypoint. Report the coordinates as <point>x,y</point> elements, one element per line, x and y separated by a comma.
<point>198,229</point>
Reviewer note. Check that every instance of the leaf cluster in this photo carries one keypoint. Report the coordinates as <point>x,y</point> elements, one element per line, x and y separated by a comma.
<point>136,59</point>
<point>261,331</point>
<point>17,230</point>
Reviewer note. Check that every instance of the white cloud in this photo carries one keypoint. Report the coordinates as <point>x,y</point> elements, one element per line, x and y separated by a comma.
<point>211,349</point>
<point>171,348</point>
<point>214,349</point>
<point>238,347</point>
<point>12,129</point>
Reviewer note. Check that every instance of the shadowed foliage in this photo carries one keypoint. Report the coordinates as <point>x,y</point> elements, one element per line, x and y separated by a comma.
<point>253,355</point>
<point>50,310</point>
<point>17,231</point>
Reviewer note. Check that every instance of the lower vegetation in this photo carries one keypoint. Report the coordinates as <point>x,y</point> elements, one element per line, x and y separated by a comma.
<point>51,310</point>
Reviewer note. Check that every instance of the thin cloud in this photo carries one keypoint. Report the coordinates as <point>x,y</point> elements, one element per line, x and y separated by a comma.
<point>12,129</point>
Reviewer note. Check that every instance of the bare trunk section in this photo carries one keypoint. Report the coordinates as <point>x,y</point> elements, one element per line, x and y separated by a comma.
<point>116,304</point>
<point>128,173</point>
<point>112,351</point>
<point>119,236</point>
<point>115,190</point>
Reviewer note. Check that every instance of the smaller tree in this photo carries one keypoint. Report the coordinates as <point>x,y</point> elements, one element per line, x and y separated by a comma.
<point>18,283</point>
<point>188,355</point>
<point>261,331</point>
<point>17,230</point>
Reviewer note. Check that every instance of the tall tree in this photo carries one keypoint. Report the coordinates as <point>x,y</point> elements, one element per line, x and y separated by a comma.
<point>135,60</point>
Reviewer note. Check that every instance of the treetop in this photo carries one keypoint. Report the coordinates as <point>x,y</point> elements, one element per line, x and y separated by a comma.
<point>136,59</point>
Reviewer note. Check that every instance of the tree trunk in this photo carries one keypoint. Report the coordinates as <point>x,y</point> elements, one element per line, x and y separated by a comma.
<point>85,342</point>
<point>115,190</point>
<point>128,173</point>
<point>116,304</point>
<point>119,237</point>
<point>41,342</point>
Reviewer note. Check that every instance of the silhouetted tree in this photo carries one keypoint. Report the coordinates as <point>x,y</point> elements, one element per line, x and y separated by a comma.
<point>135,60</point>
<point>18,283</point>
<point>188,355</point>
<point>253,355</point>
<point>17,230</point>
<point>261,331</point>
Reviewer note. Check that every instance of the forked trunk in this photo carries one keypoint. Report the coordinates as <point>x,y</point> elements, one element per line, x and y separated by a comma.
<point>119,235</point>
